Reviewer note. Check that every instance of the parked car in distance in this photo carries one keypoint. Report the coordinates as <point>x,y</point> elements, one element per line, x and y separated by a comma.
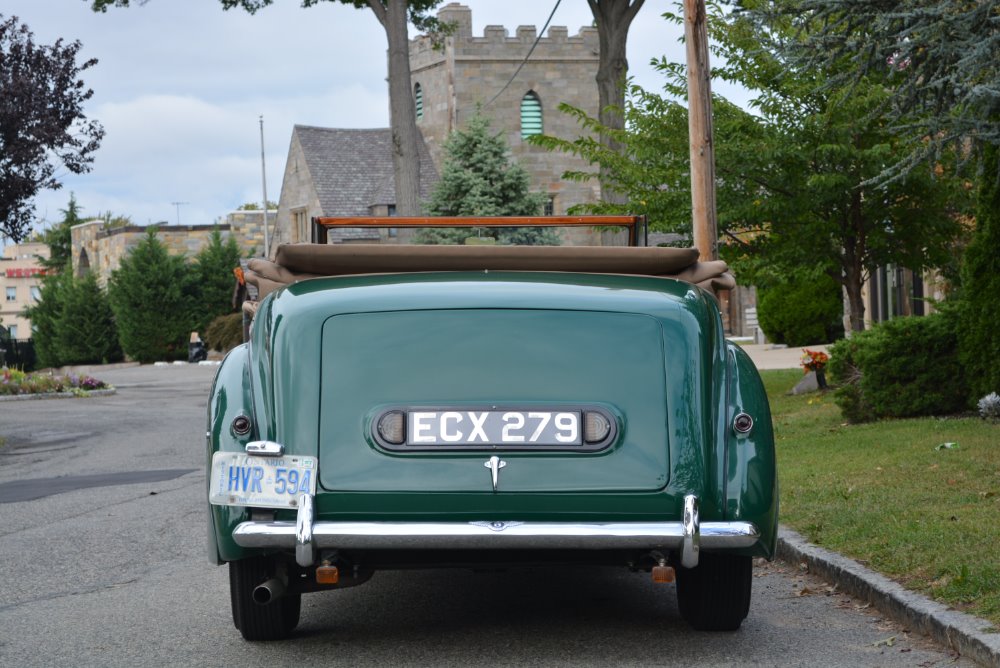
<point>402,406</point>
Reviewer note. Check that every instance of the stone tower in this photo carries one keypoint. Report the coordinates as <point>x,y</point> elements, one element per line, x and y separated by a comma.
<point>469,71</point>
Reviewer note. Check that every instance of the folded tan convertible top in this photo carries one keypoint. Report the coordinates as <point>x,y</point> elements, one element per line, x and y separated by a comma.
<point>295,262</point>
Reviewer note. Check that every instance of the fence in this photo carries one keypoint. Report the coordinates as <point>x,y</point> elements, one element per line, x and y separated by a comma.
<point>18,353</point>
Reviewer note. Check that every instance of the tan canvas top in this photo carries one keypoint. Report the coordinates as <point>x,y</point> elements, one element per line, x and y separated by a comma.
<point>294,262</point>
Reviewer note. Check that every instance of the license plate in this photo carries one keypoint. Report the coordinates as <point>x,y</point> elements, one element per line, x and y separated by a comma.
<point>509,427</point>
<point>239,479</point>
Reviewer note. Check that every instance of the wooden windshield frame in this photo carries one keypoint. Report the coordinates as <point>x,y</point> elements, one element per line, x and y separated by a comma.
<point>638,232</point>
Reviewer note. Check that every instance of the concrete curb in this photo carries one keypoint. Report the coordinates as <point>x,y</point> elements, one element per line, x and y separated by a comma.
<point>974,638</point>
<point>58,395</point>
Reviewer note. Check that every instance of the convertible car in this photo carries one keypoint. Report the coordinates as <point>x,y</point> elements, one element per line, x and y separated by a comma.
<point>487,406</point>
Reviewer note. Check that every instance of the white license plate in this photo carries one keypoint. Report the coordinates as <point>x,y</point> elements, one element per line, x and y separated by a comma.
<point>239,479</point>
<point>506,427</point>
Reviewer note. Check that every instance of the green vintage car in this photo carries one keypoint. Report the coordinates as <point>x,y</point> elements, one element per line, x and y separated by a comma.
<point>401,406</point>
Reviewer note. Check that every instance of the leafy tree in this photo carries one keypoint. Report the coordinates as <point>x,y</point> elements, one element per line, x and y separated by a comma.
<point>150,296</point>
<point>796,180</point>
<point>213,267</point>
<point>393,15</point>
<point>478,179</point>
<point>85,330</point>
<point>42,123</point>
<point>613,19</point>
<point>255,206</point>
<point>942,56</point>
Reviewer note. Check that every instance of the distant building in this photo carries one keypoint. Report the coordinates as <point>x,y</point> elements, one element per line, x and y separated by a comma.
<point>20,282</point>
<point>100,249</point>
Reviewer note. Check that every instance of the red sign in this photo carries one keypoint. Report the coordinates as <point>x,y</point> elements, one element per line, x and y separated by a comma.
<point>25,272</point>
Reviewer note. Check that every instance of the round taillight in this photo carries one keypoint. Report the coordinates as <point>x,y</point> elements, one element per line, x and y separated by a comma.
<point>392,427</point>
<point>743,423</point>
<point>596,427</point>
<point>241,425</point>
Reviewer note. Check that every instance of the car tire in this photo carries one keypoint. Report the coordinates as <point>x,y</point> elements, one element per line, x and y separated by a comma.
<point>273,621</point>
<point>715,595</point>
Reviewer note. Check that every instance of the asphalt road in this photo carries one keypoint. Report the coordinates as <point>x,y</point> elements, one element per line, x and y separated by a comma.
<point>116,575</point>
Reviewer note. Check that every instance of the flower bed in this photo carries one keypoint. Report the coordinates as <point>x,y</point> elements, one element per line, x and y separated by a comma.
<point>14,382</point>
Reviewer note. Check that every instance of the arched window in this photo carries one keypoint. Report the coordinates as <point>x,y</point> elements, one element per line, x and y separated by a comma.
<point>418,96</point>
<point>531,115</point>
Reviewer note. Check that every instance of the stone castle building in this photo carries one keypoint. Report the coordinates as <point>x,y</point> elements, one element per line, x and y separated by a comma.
<point>472,72</point>
<point>98,248</point>
<point>348,172</point>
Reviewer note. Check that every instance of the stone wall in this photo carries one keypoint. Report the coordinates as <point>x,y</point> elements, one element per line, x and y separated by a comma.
<point>101,250</point>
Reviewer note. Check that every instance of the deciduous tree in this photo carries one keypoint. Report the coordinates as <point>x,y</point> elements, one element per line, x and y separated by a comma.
<point>796,178</point>
<point>43,127</point>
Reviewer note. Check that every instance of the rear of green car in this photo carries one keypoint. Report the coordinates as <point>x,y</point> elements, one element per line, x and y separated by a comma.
<point>488,418</point>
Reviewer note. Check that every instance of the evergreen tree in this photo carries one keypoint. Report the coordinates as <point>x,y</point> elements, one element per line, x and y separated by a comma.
<point>59,238</point>
<point>85,330</point>
<point>149,297</point>
<point>213,268</point>
<point>478,179</point>
<point>45,317</point>
<point>979,308</point>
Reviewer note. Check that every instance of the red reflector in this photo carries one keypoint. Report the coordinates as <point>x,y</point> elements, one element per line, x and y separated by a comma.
<point>327,575</point>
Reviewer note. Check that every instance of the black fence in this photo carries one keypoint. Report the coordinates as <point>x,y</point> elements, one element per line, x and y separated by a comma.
<point>18,354</point>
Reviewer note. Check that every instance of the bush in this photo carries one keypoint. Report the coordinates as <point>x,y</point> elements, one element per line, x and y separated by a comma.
<point>901,368</point>
<point>225,332</point>
<point>802,312</point>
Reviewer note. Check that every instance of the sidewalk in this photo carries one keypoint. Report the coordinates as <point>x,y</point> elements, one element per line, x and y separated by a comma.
<point>774,356</point>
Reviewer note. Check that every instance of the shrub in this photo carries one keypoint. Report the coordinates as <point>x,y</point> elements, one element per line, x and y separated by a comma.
<point>802,312</point>
<point>901,368</point>
<point>225,332</point>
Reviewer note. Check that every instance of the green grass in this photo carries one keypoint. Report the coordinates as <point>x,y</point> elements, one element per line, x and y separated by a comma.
<point>883,494</point>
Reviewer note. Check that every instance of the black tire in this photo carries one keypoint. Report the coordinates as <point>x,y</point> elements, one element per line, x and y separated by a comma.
<point>273,621</point>
<point>715,595</point>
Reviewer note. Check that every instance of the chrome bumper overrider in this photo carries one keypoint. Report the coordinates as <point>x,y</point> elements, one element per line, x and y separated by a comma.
<point>305,535</point>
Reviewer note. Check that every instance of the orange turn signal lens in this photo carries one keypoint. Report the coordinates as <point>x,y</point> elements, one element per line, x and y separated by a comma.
<point>327,575</point>
<point>663,574</point>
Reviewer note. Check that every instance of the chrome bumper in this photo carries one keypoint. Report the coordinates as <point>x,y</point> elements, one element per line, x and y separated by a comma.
<point>306,535</point>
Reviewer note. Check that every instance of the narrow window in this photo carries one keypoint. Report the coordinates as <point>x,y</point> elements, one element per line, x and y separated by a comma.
<point>12,294</point>
<point>418,96</point>
<point>531,115</point>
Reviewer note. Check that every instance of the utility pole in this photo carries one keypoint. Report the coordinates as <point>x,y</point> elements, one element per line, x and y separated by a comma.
<point>263,181</point>
<point>704,224</point>
<point>178,205</point>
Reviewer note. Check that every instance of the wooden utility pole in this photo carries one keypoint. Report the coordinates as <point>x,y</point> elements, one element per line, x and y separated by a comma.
<point>704,226</point>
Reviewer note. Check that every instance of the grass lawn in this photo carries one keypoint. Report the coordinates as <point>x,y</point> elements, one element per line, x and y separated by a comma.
<point>888,496</point>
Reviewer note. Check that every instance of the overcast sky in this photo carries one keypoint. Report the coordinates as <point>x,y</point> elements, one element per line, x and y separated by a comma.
<point>180,85</point>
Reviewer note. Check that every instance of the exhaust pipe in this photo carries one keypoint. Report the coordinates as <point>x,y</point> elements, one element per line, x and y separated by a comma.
<point>269,591</point>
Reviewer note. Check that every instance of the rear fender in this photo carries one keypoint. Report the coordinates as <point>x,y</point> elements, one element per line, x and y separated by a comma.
<point>751,486</point>
<point>229,399</point>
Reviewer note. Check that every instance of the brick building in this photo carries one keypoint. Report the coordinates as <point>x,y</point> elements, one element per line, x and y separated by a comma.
<point>20,281</point>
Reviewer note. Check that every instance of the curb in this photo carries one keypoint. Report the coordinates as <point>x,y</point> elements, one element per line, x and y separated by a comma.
<point>972,637</point>
<point>58,395</point>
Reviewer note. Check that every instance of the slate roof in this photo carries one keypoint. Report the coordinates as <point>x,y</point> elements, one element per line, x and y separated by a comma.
<point>352,169</point>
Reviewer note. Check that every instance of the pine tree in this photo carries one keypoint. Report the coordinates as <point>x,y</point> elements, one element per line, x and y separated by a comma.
<point>478,179</point>
<point>85,330</point>
<point>45,316</point>
<point>214,266</point>
<point>149,294</point>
